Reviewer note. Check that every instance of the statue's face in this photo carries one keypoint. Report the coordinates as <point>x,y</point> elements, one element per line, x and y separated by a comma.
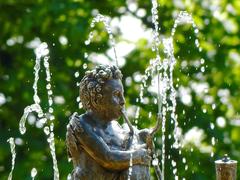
<point>113,100</point>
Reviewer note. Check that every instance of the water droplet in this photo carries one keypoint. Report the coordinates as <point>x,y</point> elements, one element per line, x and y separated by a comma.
<point>80,105</point>
<point>155,100</point>
<point>76,74</point>
<point>50,92</point>
<point>213,141</point>
<point>50,110</point>
<point>149,114</point>
<point>41,122</point>
<point>69,177</point>
<point>87,42</point>
<point>212,154</point>
<point>213,106</point>
<point>46,130</point>
<point>136,121</point>
<point>212,126</point>
<point>197,42</point>
<point>50,101</point>
<point>48,86</point>
<point>137,113</point>
<point>174,163</point>
<point>155,162</point>
<point>18,141</point>
<point>85,55</point>
<point>33,172</point>
<point>85,66</point>
<point>51,117</point>
<point>174,171</point>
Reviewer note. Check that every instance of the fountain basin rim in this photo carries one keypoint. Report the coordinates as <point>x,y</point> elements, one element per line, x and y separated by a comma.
<point>224,162</point>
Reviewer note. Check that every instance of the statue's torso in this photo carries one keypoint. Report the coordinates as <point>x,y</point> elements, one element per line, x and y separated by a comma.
<point>116,137</point>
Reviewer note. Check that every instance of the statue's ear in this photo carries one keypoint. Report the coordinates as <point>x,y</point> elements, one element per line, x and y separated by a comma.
<point>96,101</point>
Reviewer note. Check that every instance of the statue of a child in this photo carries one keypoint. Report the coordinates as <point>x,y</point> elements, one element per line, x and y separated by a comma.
<point>99,147</point>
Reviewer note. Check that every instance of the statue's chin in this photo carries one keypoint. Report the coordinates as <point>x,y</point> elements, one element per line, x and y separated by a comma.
<point>114,116</point>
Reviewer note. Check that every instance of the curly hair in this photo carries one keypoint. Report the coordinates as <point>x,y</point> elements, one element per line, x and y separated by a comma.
<point>92,84</point>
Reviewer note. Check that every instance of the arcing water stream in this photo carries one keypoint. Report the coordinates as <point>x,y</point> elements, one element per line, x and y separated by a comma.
<point>163,69</point>
<point>13,152</point>
<point>100,18</point>
<point>42,52</point>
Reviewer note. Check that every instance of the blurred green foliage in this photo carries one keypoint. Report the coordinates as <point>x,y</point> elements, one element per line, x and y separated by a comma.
<point>23,21</point>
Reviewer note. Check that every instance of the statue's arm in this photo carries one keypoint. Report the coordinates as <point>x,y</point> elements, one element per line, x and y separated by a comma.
<point>146,136</point>
<point>72,145</point>
<point>103,155</point>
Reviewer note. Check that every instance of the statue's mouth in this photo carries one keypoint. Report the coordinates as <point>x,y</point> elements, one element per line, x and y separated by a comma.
<point>122,109</point>
<point>124,115</point>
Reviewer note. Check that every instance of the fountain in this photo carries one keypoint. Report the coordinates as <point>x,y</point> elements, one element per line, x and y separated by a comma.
<point>161,68</point>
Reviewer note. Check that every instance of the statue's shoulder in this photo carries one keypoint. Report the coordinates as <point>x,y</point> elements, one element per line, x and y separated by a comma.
<point>76,122</point>
<point>74,131</point>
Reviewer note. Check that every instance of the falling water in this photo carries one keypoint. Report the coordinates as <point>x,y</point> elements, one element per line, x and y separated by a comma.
<point>52,150</point>
<point>130,167</point>
<point>33,173</point>
<point>13,152</point>
<point>50,138</point>
<point>164,70</point>
<point>161,81</point>
<point>156,38</point>
<point>182,18</point>
<point>32,108</point>
<point>42,52</point>
<point>105,21</point>
<point>186,18</point>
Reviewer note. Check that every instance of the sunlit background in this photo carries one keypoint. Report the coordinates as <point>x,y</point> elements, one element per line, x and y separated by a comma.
<point>206,82</point>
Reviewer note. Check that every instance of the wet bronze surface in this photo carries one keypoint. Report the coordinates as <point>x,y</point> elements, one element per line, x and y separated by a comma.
<point>101,148</point>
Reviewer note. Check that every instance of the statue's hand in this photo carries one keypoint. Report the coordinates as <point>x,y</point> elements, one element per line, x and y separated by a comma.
<point>145,157</point>
<point>146,137</point>
<point>145,134</point>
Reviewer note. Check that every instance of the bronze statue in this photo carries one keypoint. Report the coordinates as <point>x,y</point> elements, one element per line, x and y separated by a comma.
<point>100,148</point>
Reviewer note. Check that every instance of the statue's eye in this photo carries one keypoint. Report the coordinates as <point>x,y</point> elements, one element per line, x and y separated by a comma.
<point>116,93</point>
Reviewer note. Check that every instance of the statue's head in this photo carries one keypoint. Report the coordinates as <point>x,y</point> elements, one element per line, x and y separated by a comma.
<point>101,91</point>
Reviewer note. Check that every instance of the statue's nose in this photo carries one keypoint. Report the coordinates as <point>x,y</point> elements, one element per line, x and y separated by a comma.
<point>122,101</point>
